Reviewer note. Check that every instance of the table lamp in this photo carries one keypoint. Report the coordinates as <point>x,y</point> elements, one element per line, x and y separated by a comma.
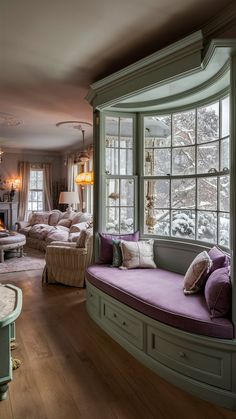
<point>69,198</point>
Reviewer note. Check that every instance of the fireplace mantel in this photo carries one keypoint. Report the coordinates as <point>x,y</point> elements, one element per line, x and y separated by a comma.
<point>9,209</point>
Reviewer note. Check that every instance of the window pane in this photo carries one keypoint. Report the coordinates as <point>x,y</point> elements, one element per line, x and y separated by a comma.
<point>207,157</point>
<point>40,196</point>
<point>159,192</point>
<point>126,132</point>
<point>33,184</point>
<point>127,192</point>
<point>112,142</point>
<point>208,123</point>
<point>112,161</point>
<point>112,220</point>
<point>126,220</point>
<point>207,193</point>
<point>184,128</point>
<point>112,192</point>
<point>183,161</point>
<point>112,127</point>
<point>157,162</point>
<point>224,229</point>
<point>224,154</point>
<point>34,206</point>
<point>225,117</point>
<point>183,224</point>
<point>40,206</point>
<point>126,162</point>
<point>157,222</point>
<point>183,193</point>
<point>207,226</point>
<point>157,131</point>
<point>224,193</point>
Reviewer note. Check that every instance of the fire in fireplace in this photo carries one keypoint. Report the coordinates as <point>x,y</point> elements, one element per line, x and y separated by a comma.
<point>2,224</point>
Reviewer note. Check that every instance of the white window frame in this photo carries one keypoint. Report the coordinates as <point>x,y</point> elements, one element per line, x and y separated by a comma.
<point>33,169</point>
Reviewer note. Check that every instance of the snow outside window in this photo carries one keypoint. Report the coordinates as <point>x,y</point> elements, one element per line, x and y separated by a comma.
<point>186,174</point>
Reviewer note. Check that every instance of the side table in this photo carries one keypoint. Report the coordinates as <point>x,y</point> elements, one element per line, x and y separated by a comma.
<point>10,309</point>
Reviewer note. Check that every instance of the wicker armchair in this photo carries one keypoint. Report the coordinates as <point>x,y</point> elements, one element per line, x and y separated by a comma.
<point>66,263</point>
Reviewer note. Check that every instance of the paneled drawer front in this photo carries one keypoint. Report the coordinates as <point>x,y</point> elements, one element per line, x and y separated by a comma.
<point>93,301</point>
<point>123,323</point>
<point>202,363</point>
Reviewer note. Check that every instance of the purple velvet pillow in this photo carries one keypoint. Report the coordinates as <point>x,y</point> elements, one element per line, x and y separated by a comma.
<point>219,259</point>
<point>218,292</point>
<point>106,250</point>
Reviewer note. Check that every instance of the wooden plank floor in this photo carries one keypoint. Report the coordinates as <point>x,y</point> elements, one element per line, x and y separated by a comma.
<point>71,369</point>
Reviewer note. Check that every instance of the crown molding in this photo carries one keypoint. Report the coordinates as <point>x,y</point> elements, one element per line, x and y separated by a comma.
<point>189,92</point>
<point>148,72</point>
<point>8,150</point>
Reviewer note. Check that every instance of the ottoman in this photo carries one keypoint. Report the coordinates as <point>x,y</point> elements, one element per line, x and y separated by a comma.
<point>14,241</point>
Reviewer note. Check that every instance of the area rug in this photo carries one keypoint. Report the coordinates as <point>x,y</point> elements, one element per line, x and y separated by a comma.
<point>32,259</point>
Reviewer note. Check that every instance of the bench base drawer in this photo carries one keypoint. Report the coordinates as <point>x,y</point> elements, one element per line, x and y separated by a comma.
<point>207,365</point>
<point>123,323</point>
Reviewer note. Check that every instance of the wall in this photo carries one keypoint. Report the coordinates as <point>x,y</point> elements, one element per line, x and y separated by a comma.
<point>9,165</point>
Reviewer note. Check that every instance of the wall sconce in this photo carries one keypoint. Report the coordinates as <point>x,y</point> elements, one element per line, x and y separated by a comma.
<point>1,154</point>
<point>15,184</point>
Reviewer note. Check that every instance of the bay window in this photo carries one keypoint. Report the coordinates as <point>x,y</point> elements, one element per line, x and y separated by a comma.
<point>186,173</point>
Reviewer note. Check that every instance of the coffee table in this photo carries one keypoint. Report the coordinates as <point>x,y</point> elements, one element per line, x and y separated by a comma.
<point>14,241</point>
<point>10,308</point>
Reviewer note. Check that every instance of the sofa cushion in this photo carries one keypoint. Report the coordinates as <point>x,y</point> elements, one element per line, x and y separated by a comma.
<point>54,217</point>
<point>76,218</point>
<point>106,244</point>
<point>218,292</point>
<point>39,218</point>
<point>194,279</point>
<point>40,231</point>
<point>57,235</point>
<point>64,222</point>
<point>137,254</point>
<point>159,294</point>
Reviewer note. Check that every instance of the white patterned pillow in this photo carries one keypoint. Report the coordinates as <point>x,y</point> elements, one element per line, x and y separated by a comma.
<point>195,276</point>
<point>137,254</point>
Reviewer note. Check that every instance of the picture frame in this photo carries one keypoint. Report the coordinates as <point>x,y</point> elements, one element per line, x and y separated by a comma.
<point>5,197</point>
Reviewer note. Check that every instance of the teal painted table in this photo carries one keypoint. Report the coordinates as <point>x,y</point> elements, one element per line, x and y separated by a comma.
<point>10,309</point>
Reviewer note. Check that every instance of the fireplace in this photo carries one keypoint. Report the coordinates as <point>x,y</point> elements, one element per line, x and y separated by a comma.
<point>2,221</point>
<point>8,214</point>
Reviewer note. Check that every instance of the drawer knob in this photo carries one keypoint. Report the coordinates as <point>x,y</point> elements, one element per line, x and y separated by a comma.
<point>114,315</point>
<point>90,295</point>
<point>182,355</point>
<point>123,324</point>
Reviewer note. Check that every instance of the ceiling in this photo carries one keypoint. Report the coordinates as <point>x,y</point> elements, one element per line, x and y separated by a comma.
<point>52,50</point>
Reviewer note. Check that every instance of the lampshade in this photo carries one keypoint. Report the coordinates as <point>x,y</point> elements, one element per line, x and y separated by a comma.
<point>69,198</point>
<point>84,178</point>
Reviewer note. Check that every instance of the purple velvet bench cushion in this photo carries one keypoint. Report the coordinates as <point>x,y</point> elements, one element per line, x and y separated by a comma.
<point>159,294</point>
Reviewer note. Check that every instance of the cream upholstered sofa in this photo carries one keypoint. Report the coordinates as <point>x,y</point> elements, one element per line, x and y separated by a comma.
<point>66,263</point>
<point>44,228</point>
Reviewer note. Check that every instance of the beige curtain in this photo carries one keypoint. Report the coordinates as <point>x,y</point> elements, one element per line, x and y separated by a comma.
<point>24,172</point>
<point>47,185</point>
<point>72,172</point>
